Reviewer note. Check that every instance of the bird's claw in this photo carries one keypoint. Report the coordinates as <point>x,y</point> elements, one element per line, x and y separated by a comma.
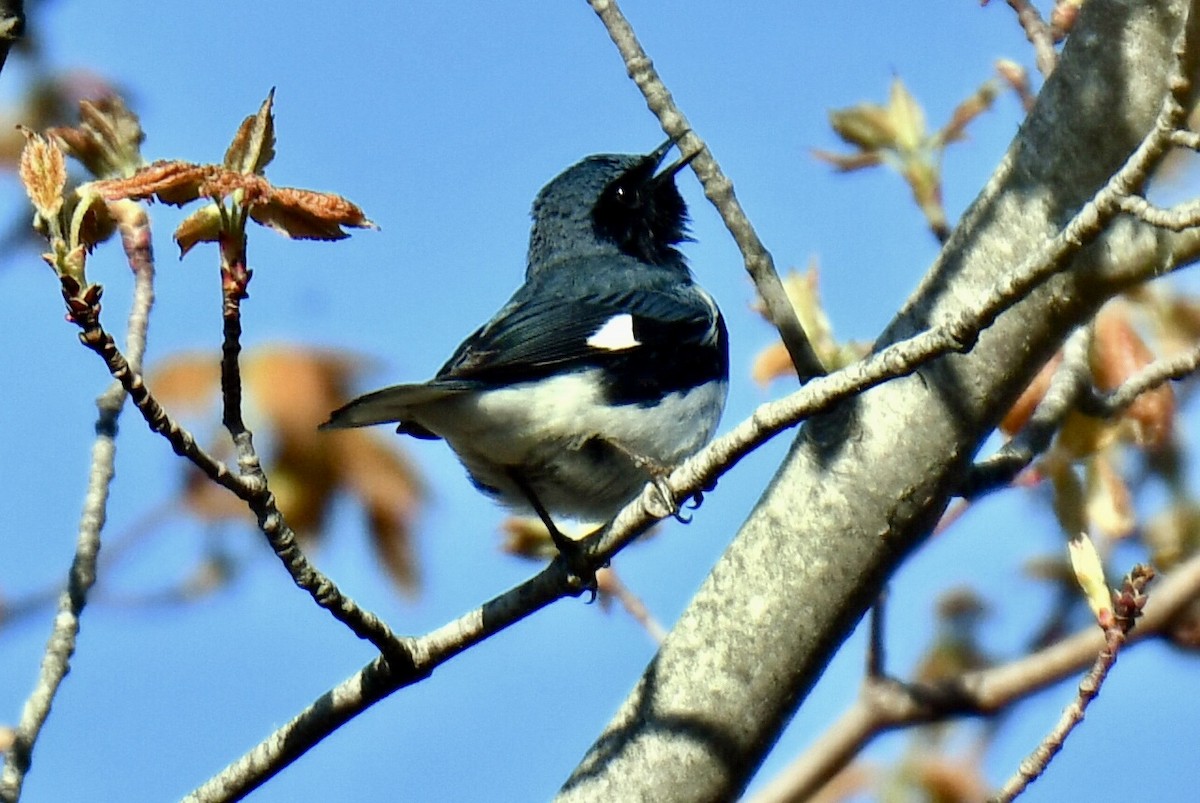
<point>581,575</point>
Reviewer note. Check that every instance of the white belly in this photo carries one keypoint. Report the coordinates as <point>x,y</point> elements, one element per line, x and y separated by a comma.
<point>574,452</point>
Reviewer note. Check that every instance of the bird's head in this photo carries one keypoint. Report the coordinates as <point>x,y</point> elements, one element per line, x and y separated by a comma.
<point>612,203</point>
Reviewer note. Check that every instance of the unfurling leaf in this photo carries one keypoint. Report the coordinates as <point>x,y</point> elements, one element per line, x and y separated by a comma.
<point>175,182</point>
<point>91,220</point>
<point>253,146</point>
<point>976,104</point>
<point>867,126</point>
<point>308,215</point>
<point>107,140</point>
<point>803,291</point>
<point>43,172</point>
<point>1089,573</point>
<point>896,135</point>
<point>202,226</point>
<point>907,117</point>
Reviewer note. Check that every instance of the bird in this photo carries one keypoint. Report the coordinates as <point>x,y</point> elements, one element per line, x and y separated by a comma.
<point>606,368</point>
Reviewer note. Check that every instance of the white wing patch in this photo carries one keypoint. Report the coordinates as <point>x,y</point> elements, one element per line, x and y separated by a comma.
<point>714,315</point>
<point>615,335</point>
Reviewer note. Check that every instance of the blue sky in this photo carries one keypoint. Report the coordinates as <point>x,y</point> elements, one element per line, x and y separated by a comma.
<point>443,121</point>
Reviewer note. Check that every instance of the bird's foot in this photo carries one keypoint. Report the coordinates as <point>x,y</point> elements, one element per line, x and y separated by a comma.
<point>581,574</point>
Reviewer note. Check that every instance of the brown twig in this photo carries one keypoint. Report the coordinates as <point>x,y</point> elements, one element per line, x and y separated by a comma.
<point>84,306</point>
<point>717,188</point>
<point>1129,604</point>
<point>235,277</point>
<point>1039,33</point>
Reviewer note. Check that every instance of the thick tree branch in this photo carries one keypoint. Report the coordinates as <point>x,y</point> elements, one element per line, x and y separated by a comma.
<point>865,483</point>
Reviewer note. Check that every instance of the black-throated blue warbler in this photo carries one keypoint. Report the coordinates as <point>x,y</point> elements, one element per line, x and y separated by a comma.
<point>606,368</point>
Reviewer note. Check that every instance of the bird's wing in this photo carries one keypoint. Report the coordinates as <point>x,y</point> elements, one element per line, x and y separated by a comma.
<point>543,334</point>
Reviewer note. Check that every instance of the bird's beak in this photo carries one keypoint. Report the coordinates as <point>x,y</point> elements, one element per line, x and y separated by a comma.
<point>659,153</point>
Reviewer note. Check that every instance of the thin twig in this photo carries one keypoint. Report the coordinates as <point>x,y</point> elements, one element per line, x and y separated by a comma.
<point>1039,33</point>
<point>1106,405</point>
<point>717,188</point>
<point>609,583</point>
<point>886,705</point>
<point>1129,604</point>
<point>255,494</point>
<point>1070,380</point>
<point>1182,216</point>
<point>135,234</point>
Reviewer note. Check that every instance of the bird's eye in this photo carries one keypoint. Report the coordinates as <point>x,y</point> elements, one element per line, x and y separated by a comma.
<point>626,195</point>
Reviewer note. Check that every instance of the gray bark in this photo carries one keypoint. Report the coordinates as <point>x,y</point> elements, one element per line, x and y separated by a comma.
<point>863,485</point>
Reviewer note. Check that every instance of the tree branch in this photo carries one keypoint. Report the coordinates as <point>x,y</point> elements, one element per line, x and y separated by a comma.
<point>1069,382</point>
<point>1104,405</point>
<point>1129,606</point>
<point>256,494</point>
<point>886,704</point>
<point>717,188</point>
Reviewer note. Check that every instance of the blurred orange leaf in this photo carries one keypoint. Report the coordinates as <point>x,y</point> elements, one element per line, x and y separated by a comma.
<point>1018,415</point>
<point>289,390</point>
<point>1119,352</point>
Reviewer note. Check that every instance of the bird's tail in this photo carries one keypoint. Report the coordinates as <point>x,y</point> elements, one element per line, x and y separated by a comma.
<point>397,404</point>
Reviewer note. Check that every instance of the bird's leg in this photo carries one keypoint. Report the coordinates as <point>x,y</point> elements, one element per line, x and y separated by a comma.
<point>658,473</point>
<point>562,542</point>
<point>567,547</point>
